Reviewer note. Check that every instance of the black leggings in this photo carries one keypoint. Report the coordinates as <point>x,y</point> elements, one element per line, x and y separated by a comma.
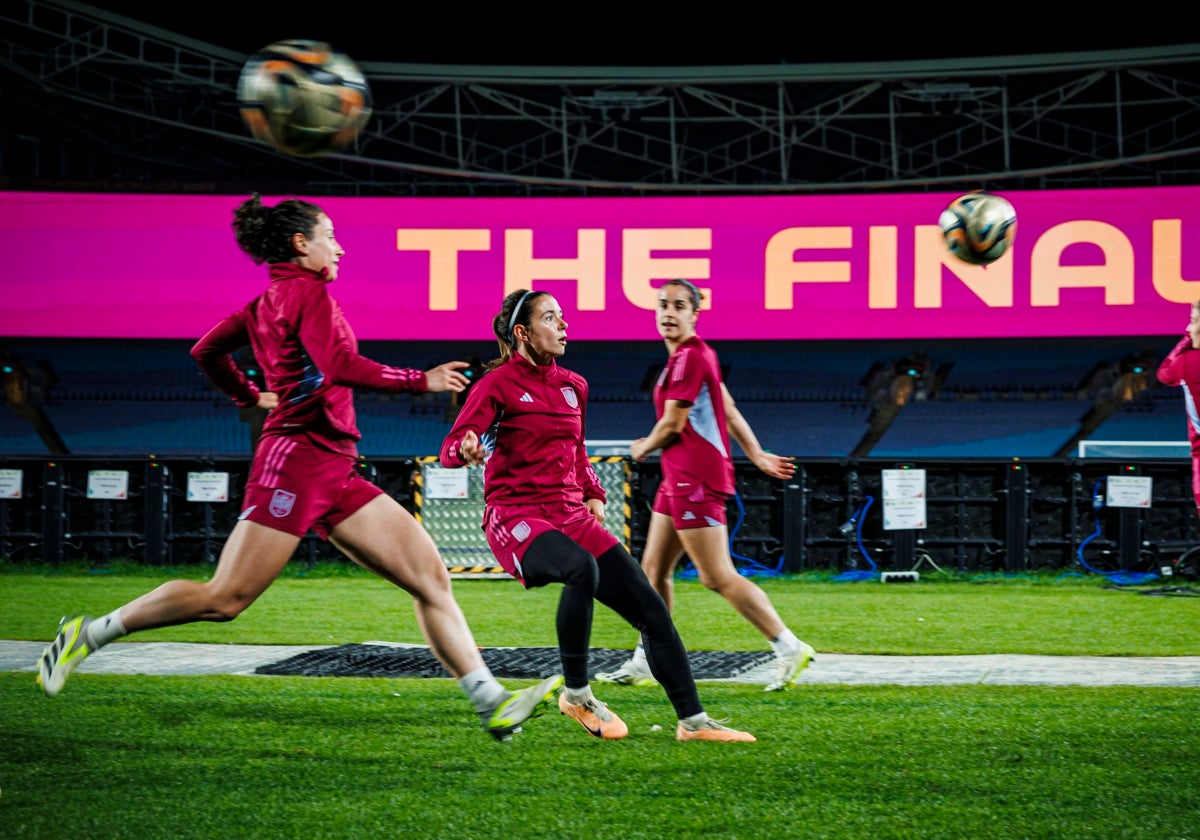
<point>617,581</point>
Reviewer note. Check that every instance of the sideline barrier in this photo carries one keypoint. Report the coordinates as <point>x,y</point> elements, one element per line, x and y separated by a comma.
<point>1004,516</point>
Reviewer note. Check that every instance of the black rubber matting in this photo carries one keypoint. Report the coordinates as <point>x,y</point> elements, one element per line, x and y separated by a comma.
<point>519,663</point>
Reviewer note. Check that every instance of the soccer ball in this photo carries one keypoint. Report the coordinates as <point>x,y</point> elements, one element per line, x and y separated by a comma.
<point>978,227</point>
<point>303,98</point>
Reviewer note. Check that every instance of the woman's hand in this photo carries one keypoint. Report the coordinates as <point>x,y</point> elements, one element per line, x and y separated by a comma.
<point>637,450</point>
<point>267,400</point>
<point>596,509</point>
<point>447,377</point>
<point>774,465</point>
<point>472,450</point>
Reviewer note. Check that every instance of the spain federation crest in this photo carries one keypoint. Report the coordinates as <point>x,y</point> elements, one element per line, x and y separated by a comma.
<point>281,503</point>
<point>569,395</point>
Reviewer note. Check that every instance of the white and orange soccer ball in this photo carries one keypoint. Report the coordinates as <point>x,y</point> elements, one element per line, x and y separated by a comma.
<point>978,227</point>
<point>303,97</point>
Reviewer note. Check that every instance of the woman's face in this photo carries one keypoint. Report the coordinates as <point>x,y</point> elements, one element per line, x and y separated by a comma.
<point>320,251</point>
<point>546,336</point>
<point>675,317</point>
<point>1193,328</point>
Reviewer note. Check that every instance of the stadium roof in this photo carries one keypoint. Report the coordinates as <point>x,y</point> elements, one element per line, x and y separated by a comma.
<point>599,103</point>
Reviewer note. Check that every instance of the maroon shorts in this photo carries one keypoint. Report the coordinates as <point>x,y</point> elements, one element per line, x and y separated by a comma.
<point>1196,480</point>
<point>510,530</point>
<point>296,486</point>
<point>1194,440</point>
<point>702,508</point>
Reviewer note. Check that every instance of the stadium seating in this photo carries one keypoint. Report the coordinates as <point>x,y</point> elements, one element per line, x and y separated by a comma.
<point>1029,369</point>
<point>793,371</point>
<point>976,399</point>
<point>150,427</point>
<point>18,437</point>
<point>1156,415</point>
<point>400,427</point>
<point>982,428</point>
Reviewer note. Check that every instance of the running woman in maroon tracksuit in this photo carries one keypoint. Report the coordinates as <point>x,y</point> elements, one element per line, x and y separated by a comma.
<point>1182,367</point>
<point>695,417</point>
<point>303,474</point>
<point>544,508</point>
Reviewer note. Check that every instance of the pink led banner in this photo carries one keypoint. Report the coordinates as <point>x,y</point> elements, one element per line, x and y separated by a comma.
<point>1084,263</point>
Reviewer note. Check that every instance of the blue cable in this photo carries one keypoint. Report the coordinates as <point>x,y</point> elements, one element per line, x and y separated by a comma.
<point>1121,577</point>
<point>750,567</point>
<point>862,515</point>
<point>858,518</point>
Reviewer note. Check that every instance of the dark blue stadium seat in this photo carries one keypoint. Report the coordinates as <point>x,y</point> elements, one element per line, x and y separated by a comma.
<point>978,429</point>
<point>807,399</point>
<point>155,427</point>
<point>17,436</point>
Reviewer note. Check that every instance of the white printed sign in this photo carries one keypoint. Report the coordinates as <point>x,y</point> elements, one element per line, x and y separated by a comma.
<point>1129,491</point>
<point>108,484</point>
<point>10,484</point>
<point>208,487</point>
<point>903,499</point>
<point>442,483</point>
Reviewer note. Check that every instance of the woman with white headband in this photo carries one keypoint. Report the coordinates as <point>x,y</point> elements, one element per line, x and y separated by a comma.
<point>524,422</point>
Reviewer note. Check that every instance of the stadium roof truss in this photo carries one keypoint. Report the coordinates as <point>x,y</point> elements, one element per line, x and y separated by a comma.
<point>92,98</point>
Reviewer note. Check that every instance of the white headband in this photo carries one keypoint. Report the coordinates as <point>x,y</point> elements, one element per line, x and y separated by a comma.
<point>512,322</point>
